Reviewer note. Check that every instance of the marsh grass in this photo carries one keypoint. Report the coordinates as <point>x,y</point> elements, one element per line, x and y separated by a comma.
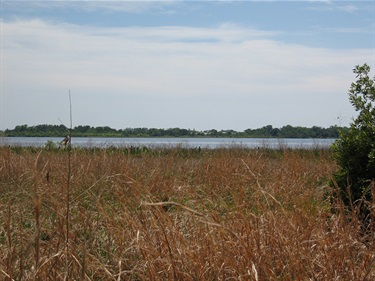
<point>176,213</point>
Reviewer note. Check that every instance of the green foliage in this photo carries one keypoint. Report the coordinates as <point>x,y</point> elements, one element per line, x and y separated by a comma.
<point>354,152</point>
<point>37,131</point>
<point>50,145</point>
<point>268,131</point>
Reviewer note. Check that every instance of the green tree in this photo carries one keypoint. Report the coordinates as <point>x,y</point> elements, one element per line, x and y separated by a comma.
<point>354,152</point>
<point>21,128</point>
<point>82,129</point>
<point>212,133</point>
<point>154,132</point>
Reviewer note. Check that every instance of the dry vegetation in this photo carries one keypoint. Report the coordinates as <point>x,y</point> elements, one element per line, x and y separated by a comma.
<point>176,214</point>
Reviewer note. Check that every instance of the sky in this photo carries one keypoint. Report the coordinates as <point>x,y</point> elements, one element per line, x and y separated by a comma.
<point>189,64</point>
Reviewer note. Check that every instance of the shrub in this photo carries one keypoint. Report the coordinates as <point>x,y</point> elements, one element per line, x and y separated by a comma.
<point>354,152</point>
<point>50,145</point>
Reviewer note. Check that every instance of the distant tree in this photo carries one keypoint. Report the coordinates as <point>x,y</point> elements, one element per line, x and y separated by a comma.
<point>212,133</point>
<point>267,131</point>
<point>354,152</point>
<point>183,132</point>
<point>153,132</point>
<point>88,131</point>
<point>288,131</point>
<point>82,129</point>
<point>317,132</point>
<point>228,133</point>
<point>139,132</point>
<point>21,128</point>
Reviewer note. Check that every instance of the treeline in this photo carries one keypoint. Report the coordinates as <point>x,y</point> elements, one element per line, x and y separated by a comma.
<point>88,131</point>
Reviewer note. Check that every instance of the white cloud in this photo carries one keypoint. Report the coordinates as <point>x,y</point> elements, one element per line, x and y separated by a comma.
<point>333,6</point>
<point>162,7</point>
<point>223,77</point>
<point>368,30</point>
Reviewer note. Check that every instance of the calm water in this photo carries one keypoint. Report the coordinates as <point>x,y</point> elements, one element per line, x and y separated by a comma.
<point>184,142</point>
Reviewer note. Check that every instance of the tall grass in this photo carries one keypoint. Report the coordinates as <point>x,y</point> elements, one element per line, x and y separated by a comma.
<point>176,214</point>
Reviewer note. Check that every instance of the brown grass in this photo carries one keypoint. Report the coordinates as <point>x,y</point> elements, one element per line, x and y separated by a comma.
<point>176,214</point>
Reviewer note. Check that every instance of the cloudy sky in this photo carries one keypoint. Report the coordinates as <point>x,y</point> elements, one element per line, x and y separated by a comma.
<point>189,64</point>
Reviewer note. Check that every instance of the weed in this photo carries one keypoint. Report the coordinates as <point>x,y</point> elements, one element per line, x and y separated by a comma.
<point>176,213</point>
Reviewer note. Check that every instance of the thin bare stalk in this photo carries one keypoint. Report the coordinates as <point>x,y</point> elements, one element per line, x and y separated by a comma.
<point>37,234</point>
<point>37,217</point>
<point>9,237</point>
<point>68,185</point>
<point>22,247</point>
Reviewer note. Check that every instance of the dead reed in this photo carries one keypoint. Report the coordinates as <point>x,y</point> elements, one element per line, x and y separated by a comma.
<point>176,214</point>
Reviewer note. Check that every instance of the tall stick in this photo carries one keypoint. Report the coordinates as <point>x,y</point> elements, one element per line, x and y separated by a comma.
<point>68,188</point>
<point>71,120</point>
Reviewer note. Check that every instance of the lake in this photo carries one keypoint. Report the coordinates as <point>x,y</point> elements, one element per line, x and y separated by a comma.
<point>184,142</point>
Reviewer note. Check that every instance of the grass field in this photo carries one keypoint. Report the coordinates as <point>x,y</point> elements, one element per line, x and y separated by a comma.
<point>176,214</point>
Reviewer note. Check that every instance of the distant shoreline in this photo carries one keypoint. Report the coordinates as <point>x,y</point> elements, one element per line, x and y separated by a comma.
<point>164,137</point>
<point>268,131</point>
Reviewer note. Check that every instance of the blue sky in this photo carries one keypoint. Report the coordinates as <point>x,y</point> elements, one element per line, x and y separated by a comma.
<point>189,64</point>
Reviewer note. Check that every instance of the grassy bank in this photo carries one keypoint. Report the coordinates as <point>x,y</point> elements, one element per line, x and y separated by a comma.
<point>176,214</point>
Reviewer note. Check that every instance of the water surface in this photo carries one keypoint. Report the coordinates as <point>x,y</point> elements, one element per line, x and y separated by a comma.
<point>184,142</point>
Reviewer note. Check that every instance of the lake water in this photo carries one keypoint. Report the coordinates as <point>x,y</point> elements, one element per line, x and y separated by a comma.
<point>184,142</point>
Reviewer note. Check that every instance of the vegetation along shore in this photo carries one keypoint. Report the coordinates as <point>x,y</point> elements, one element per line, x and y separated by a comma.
<point>88,131</point>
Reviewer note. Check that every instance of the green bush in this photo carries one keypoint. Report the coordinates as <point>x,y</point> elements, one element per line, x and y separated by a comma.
<point>354,152</point>
<point>50,145</point>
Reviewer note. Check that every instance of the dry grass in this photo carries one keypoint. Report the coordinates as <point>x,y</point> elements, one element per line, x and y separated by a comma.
<point>176,214</point>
